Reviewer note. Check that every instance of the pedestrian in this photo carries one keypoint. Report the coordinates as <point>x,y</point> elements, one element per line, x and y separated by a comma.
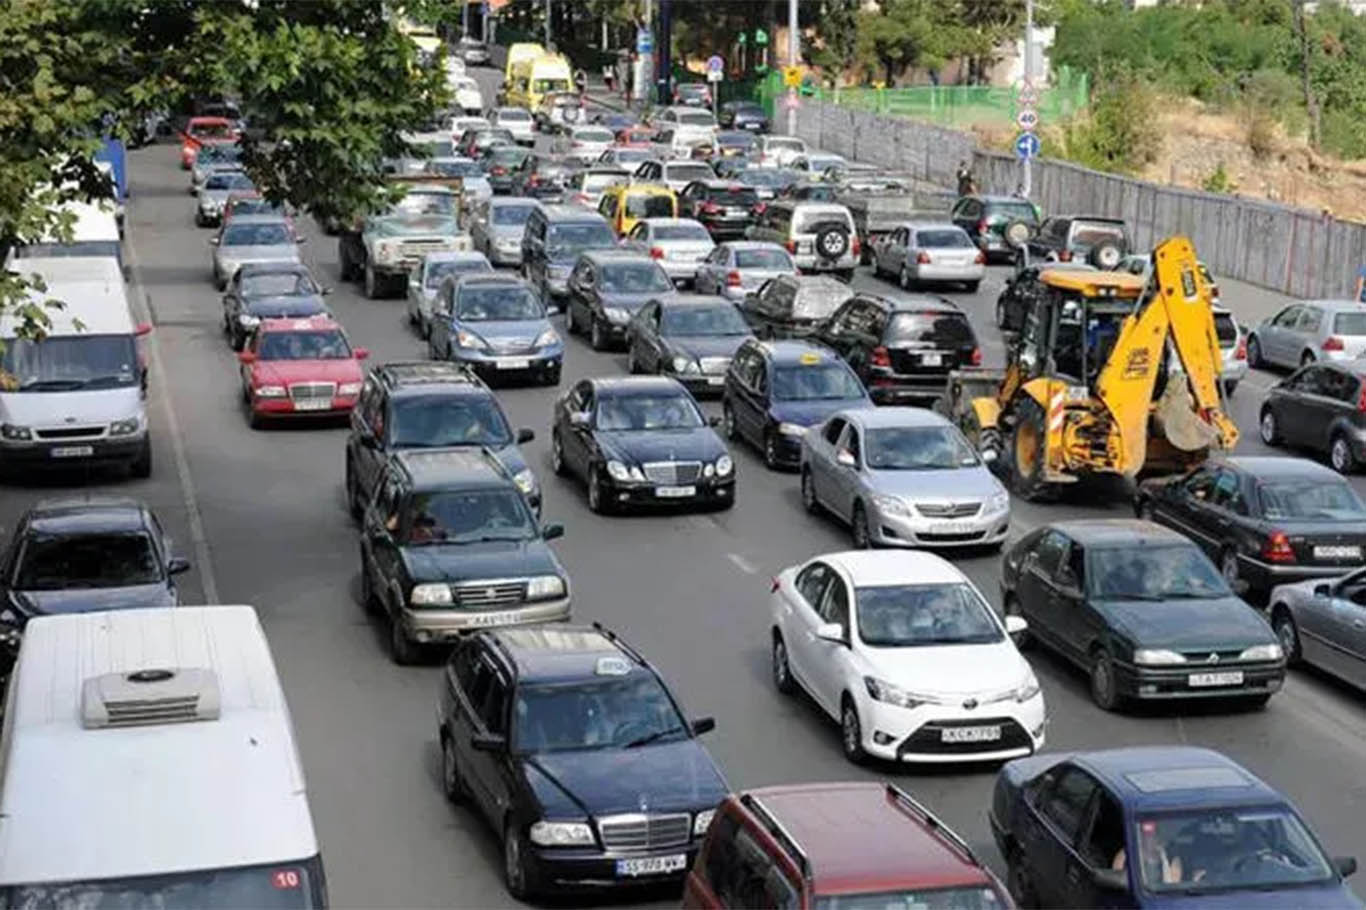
<point>580,81</point>
<point>966,185</point>
<point>608,76</point>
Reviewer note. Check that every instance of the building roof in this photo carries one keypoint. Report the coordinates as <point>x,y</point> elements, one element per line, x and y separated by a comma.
<point>1118,532</point>
<point>1176,777</point>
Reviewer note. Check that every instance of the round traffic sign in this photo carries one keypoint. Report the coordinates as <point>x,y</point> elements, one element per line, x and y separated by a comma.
<point>715,64</point>
<point>1027,145</point>
<point>1027,98</point>
<point>1027,119</point>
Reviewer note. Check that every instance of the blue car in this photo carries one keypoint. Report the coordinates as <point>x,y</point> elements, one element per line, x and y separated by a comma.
<point>1157,827</point>
<point>774,391</point>
<point>496,325</point>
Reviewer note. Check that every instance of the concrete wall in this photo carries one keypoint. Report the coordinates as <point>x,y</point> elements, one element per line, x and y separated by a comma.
<point>1295,251</point>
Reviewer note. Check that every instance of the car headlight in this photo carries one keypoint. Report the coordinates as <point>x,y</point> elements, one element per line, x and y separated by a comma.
<point>247,321</point>
<point>999,501</point>
<point>791,429</point>
<point>683,364</point>
<point>1157,657</point>
<point>547,338</point>
<point>347,389</point>
<point>124,427</point>
<point>616,314</point>
<point>525,480</point>
<point>562,834</point>
<point>724,466</point>
<point>890,505</point>
<point>469,340</point>
<point>702,821</point>
<point>880,690</point>
<point>619,471</point>
<point>1262,652</point>
<point>543,586</point>
<point>270,391</point>
<point>1027,689</point>
<point>12,431</point>
<point>431,596</point>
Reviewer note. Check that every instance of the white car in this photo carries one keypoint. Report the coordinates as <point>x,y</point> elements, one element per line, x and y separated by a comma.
<point>903,650</point>
<point>779,151</point>
<point>677,142</point>
<point>586,143</point>
<point>517,121</point>
<point>461,122</point>
<point>817,163</point>
<point>678,244</point>
<point>465,92</point>
<point>674,174</point>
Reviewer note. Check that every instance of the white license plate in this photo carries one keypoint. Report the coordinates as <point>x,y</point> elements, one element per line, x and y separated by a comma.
<point>1231,678</point>
<point>946,527</point>
<point>970,734</point>
<point>674,492</point>
<point>313,404</point>
<point>512,363</point>
<point>715,380</point>
<point>651,865</point>
<point>493,619</point>
<point>72,451</point>
<point>1337,552</point>
<point>931,360</point>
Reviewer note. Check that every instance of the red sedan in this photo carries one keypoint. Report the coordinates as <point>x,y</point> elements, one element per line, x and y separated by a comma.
<point>300,367</point>
<point>204,131</point>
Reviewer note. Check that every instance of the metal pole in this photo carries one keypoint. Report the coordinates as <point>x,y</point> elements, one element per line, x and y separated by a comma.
<point>465,19</point>
<point>1027,177</point>
<point>792,48</point>
<point>547,24</point>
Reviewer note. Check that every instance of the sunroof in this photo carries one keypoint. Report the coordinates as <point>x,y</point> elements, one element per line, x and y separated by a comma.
<point>1187,779</point>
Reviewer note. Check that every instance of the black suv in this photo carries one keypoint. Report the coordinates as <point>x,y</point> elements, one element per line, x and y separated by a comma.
<point>902,349</point>
<point>552,241</point>
<point>571,746</point>
<point>985,219</point>
<point>449,545</point>
<point>724,207</point>
<point>1101,241</point>
<point>423,405</point>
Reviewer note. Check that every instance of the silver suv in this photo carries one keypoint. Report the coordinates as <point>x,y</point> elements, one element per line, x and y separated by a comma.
<point>820,235</point>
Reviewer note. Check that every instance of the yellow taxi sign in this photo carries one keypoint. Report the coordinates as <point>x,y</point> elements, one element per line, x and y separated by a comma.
<point>792,76</point>
<point>810,357</point>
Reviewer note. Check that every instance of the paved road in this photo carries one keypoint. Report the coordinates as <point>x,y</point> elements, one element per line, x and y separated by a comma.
<point>261,513</point>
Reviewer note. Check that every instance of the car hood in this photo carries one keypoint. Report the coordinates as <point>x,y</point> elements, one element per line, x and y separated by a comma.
<point>708,345</point>
<point>1221,623</point>
<point>809,413</point>
<point>285,305</point>
<point>217,196</point>
<point>1305,898</point>
<point>522,331</point>
<point>284,372</point>
<point>490,559</point>
<point>959,483</point>
<point>938,670</point>
<point>414,226</point>
<point>279,252</point>
<point>639,447</point>
<point>87,600</point>
<point>42,409</point>
<point>664,777</point>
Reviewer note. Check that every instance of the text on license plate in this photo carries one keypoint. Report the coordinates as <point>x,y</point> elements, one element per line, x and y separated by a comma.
<point>674,492</point>
<point>493,619</point>
<point>715,380</point>
<point>1342,552</point>
<point>946,527</point>
<point>512,363</point>
<point>72,451</point>
<point>651,865</point>
<point>1230,678</point>
<point>931,360</point>
<point>970,734</point>
<point>313,404</point>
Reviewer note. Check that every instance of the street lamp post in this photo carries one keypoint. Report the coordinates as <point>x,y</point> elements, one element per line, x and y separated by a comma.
<point>1027,177</point>
<point>792,49</point>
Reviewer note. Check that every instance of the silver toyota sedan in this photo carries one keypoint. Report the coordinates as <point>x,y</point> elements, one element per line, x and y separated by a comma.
<point>918,254</point>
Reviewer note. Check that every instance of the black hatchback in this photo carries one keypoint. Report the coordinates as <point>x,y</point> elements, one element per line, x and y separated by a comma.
<point>1320,407</point>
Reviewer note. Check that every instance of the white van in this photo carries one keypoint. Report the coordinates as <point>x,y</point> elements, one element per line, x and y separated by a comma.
<point>95,232</point>
<point>77,395</point>
<point>148,761</point>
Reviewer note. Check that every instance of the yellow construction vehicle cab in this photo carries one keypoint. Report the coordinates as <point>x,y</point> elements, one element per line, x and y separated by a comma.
<point>1087,390</point>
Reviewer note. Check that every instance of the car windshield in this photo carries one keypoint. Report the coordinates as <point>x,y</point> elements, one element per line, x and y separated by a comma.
<point>763,259</point>
<point>597,182</point>
<point>437,271</point>
<point>55,563</point>
<point>278,284</point>
<point>1255,848</point>
<point>272,234</point>
<point>1310,500</point>
<point>512,114</point>
<point>766,177</point>
<point>567,239</point>
<point>918,449</point>
<point>511,214</point>
<point>631,156</point>
<point>425,204</point>
<point>254,207</point>
<point>65,363</point>
<point>498,304</point>
<point>741,196</point>
<point>324,344</point>
<point>939,329</point>
<point>441,148</point>
<point>218,154</point>
<point>507,155</point>
<point>818,382</point>
<point>469,516</point>
<point>1011,211</point>
<point>634,278</point>
<point>737,140</point>
<point>288,307</point>
<point>211,130</point>
<point>448,420</point>
<point>649,206</point>
<point>696,118</point>
<point>454,167</point>
<point>680,231</point>
<point>711,319</point>
<point>230,181</point>
<point>681,173</point>
<point>605,713</point>
<point>1167,572</point>
<point>964,897</point>
<point>286,886</point>
<point>902,616</point>
<point>943,239</point>
<point>1349,324</point>
<point>662,411</point>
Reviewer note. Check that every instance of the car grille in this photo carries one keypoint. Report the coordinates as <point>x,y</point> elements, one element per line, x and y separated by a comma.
<point>1202,657</point>
<point>672,471</point>
<point>644,832</point>
<point>513,345</point>
<point>477,595</point>
<point>929,739</point>
<point>70,432</point>
<point>413,250</point>
<point>714,365</point>
<point>948,509</point>
<point>304,391</point>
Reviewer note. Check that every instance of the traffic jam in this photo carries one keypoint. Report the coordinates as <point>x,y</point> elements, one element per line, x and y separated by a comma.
<point>775,310</point>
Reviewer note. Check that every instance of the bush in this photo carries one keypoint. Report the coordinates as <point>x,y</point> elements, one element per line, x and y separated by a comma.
<point>1120,132</point>
<point>1261,136</point>
<point>1218,181</point>
<point>1344,134</point>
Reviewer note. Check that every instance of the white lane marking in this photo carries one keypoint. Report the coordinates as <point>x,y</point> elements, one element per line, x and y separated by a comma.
<point>743,564</point>
<point>203,564</point>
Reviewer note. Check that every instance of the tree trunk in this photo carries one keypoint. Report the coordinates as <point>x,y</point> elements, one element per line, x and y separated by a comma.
<point>1311,102</point>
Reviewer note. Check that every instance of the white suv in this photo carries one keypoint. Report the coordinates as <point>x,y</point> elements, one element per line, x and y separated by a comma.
<point>906,653</point>
<point>820,235</point>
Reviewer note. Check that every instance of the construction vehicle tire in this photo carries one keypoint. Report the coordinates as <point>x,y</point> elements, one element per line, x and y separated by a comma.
<point>1028,443</point>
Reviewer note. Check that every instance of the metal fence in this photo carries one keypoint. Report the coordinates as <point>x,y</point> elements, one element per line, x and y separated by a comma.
<point>964,105</point>
<point>924,151</point>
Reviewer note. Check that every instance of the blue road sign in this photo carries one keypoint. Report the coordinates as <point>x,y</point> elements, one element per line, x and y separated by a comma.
<point>715,64</point>
<point>1027,146</point>
<point>645,41</point>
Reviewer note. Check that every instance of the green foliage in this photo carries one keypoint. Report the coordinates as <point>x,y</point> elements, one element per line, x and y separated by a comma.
<point>1120,132</point>
<point>1218,181</point>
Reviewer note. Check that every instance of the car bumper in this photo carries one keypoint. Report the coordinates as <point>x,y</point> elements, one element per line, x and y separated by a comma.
<point>60,453</point>
<point>1233,371</point>
<point>788,448</point>
<point>905,531</point>
<point>705,491</point>
<point>809,262</point>
<point>211,216</point>
<point>593,868</point>
<point>499,256</point>
<point>680,269</point>
<point>1261,576</point>
<point>893,389</point>
<point>1173,682</point>
<point>488,365</point>
<point>700,384</point>
<point>928,733</point>
<point>502,186</point>
<point>283,407</point>
<point>431,626</point>
<point>949,272</point>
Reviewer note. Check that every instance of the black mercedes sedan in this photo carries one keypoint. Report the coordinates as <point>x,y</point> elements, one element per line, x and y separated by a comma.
<point>691,338</point>
<point>1265,521</point>
<point>640,441</point>
<point>1143,611</point>
<point>267,290</point>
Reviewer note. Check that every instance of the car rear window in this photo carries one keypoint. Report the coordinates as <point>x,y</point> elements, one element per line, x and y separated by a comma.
<point>943,239</point>
<point>513,114</point>
<point>1225,328</point>
<point>593,135</point>
<point>697,118</point>
<point>734,196</point>
<point>939,329</point>
<point>512,214</point>
<point>762,259</point>
<point>687,172</point>
<point>649,207</point>
<point>1350,323</point>
<point>1091,233</point>
<point>1011,211</point>
<point>681,232</point>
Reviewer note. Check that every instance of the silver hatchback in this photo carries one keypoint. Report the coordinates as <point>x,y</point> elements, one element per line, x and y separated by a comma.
<point>1308,331</point>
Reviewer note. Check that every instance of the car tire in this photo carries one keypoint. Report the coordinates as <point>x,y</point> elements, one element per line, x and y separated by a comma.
<point>1254,353</point>
<point>1228,566</point>
<point>255,419</point>
<point>557,462</point>
<point>452,781</point>
<point>782,671</point>
<point>596,501</point>
<point>1000,315</point>
<point>1027,478</point>
<point>771,451</point>
<point>1268,427</point>
<point>851,732</point>
<point>1340,455</point>
<point>903,279</point>
<point>1287,633</point>
<point>972,286</point>
<point>376,286</point>
<point>141,466</point>
<point>597,339</point>
<point>809,500</point>
<point>728,424</point>
<point>859,533</point>
<point>571,325</point>
<point>402,649</point>
<point>1230,387</point>
<point>1104,687</point>
<point>515,874</point>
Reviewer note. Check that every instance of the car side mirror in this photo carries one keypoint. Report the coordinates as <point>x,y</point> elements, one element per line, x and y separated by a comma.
<point>525,434</point>
<point>213,241</point>
<point>1324,590</point>
<point>579,419</point>
<point>1015,626</point>
<point>487,742</point>
<point>177,564</point>
<point>702,725</point>
<point>830,631</point>
<point>845,458</point>
<point>300,241</point>
<point>1346,865</point>
<point>246,356</point>
<point>552,531</point>
<point>362,353</point>
<point>713,421</point>
<point>324,291</point>
<point>1110,879</point>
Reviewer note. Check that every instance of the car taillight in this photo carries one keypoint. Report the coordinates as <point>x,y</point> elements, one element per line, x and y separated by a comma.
<point>656,253</point>
<point>982,226</point>
<point>1332,343</point>
<point>856,246</point>
<point>498,171</point>
<point>976,357</point>
<point>923,258</point>
<point>710,208</point>
<point>759,208</point>
<point>1065,256</point>
<point>1241,353</point>
<point>791,246</point>
<point>732,279</point>
<point>880,357</point>
<point>1361,399</point>
<point>1277,548</point>
<point>981,258</point>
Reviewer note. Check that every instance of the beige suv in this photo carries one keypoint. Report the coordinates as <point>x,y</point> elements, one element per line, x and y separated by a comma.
<point>820,235</point>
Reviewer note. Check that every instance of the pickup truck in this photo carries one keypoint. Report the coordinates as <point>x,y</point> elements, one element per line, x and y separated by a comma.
<point>879,212</point>
<point>382,249</point>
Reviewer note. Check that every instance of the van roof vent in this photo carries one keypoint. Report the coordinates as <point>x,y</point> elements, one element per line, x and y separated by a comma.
<point>149,697</point>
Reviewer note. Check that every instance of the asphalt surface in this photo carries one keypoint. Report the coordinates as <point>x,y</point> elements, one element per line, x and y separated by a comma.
<point>261,515</point>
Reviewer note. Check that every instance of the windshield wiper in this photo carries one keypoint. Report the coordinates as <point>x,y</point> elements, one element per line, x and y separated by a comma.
<point>490,538</point>
<point>1132,596</point>
<point>51,385</point>
<point>652,737</point>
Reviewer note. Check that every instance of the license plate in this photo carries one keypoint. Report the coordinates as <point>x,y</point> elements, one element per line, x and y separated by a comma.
<point>313,404</point>
<point>931,360</point>
<point>72,451</point>
<point>715,380</point>
<point>512,363</point>
<point>1337,552</point>
<point>970,734</point>
<point>1231,678</point>
<point>946,527</point>
<point>674,492</point>
<point>493,619</point>
<point>651,865</point>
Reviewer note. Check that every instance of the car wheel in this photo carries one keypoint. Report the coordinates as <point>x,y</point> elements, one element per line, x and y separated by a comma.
<point>374,285</point>
<point>402,649</point>
<point>771,451</point>
<point>1340,455</point>
<point>1230,387</point>
<point>452,784</point>
<point>728,423</point>
<point>557,455</point>
<point>851,732</point>
<point>571,325</point>
<point>904,279</point>
<point>809,501</point>
<point>1228,566</point>
<point>141,466</point>
<point>1104,688</point>
<point>1268,427</point>
<point>255,419</point>
<point>1286,633</point>
<point>1306,358</point>
<point>972,286</point>
<point>596,502</point>
<point>782,673</point>
<point>515,874</point>
<point>597,338</point>
<point>858,528</point>
<point>353,504</point>
<point>1000,315</point>
<point>1254,353</point>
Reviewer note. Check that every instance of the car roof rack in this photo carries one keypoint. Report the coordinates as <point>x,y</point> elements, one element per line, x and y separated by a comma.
<point>931,821</point>
<point>778,832</point>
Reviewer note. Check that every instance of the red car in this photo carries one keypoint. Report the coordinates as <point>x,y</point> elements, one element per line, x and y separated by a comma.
<point>634,137</point>
<point>204,131</point>
<point>300,367</point>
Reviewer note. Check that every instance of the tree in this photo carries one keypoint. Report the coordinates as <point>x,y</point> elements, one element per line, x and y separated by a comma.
<point>989,23</point>
<point>329,86</point>
<point>837,30</point>
<point>906,33</point>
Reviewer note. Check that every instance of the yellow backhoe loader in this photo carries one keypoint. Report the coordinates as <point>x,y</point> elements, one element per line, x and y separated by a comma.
<point>1112,373</point>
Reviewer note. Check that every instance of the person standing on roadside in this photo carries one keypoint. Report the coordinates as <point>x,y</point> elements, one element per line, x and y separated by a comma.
<point>580,81</point>
<point>966,185</point>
